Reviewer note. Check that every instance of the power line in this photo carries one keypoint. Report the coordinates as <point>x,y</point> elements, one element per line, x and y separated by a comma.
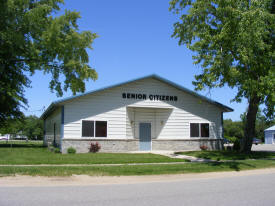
<point>38,110</point>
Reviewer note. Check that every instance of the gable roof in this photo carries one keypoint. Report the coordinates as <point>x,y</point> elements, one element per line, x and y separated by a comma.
<point>270,128</point>
<point>57,103</point>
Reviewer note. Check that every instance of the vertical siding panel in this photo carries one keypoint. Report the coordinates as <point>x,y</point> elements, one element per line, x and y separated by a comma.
<point>170,120</point>
<point>54,118</point>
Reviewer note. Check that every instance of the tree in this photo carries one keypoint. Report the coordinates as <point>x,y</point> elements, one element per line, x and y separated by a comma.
<point>30,126</point>
<point>261,124</point>
<point>33,37</point>
<point>12,127</point>
<point>33,128</point>
<point>234,43</point>
<point>233,128</point>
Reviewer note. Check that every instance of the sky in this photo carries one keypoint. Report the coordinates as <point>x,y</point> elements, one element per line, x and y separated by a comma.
<point>134,41</point>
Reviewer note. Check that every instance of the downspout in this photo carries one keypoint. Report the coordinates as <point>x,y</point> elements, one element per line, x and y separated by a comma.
<point>44,133</point>
<point>222,125</point>
<point>62,126</point>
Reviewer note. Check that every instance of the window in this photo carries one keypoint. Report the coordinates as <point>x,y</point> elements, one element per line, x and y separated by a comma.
<point>199,130</point>
<point>194,130</point>
<point>101,129</point>
<point>204,130</point>
<point>94,128</point>
<point>87,128</point>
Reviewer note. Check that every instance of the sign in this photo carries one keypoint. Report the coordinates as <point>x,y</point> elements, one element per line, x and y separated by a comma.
<point>152,97</point>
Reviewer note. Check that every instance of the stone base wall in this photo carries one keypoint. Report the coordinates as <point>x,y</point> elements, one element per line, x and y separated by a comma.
<point>48,140</point>
<point>187,144</point>
<point>117,145</point>
<point>107,145</point>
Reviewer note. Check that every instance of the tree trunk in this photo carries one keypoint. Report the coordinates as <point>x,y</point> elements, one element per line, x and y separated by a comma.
<point>249,132</point>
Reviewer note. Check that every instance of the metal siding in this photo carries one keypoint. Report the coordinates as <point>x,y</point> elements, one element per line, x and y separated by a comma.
<point>155,77</point>
<point>269,139</point>
<point>109,105</point>
<point>55,117</point>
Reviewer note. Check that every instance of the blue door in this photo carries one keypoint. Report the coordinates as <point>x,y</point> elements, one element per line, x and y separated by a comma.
<point>145,136</point>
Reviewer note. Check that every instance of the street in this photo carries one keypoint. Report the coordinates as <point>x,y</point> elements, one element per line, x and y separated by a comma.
<point>256,189</point>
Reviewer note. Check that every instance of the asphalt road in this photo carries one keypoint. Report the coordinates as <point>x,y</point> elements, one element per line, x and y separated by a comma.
<point>240,190</point>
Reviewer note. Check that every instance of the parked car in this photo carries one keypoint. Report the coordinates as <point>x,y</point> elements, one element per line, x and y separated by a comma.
<point>256,141</point>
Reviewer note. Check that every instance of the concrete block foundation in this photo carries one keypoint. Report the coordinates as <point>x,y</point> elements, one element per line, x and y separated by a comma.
<point>122,145</point>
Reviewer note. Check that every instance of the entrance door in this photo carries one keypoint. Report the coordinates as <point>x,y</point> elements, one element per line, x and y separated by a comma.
<point>145,136</point>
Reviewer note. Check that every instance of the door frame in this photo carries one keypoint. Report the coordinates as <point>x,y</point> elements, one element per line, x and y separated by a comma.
<point>146,122</point>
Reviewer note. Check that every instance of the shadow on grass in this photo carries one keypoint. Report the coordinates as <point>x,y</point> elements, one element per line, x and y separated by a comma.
<point>20,145</point>
<point>237,166</point>
<point>229,155</point>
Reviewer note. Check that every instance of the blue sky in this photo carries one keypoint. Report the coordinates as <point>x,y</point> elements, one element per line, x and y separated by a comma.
<point>134,41</point>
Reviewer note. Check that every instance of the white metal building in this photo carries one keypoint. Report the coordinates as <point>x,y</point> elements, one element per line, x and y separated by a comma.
<point>269,135</point>
<point>149,113</point>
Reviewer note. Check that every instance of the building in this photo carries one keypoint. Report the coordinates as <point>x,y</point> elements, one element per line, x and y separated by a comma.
<point>4,136</point>
<point>149,113</point>
<point>16,136</point>
<point>269,135</point>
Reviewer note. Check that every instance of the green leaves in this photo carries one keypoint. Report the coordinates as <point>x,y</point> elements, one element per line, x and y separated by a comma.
<point>234,42</point>
<point>32,39</point>
<point>30,126</point>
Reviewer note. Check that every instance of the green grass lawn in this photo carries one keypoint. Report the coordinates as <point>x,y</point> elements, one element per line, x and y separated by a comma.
<point>229,155</point>
<point>35,153</point>
<point>139,169</point>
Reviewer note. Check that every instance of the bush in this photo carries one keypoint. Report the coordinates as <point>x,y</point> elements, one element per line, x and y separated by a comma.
<point>57,150</point>
<point>95,147</point>
<point>231,139</point>
<point>71,150</point>
<point>237,145</point>
<point>54,149</point>
<point>51,148</point>
<point>203,147</point>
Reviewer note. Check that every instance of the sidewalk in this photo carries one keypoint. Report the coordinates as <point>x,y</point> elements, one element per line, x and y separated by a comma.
<point>172,154</point>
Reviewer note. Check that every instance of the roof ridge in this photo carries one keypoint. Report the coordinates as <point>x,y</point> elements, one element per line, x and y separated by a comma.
<point>270,128</point>
<point>226,108</point>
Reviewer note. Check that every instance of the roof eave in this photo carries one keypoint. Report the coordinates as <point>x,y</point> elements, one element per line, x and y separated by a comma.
<point>51,108</point>
<point>224,107</point>
<point>62,101</point>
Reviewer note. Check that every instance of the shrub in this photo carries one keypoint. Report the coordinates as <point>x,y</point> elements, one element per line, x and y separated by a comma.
<point>57,150</point>
<point>51,148</point>
<point>71,150</point>
<point>95,147</point>
<point>203,147</point>
<point>231,139</point>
